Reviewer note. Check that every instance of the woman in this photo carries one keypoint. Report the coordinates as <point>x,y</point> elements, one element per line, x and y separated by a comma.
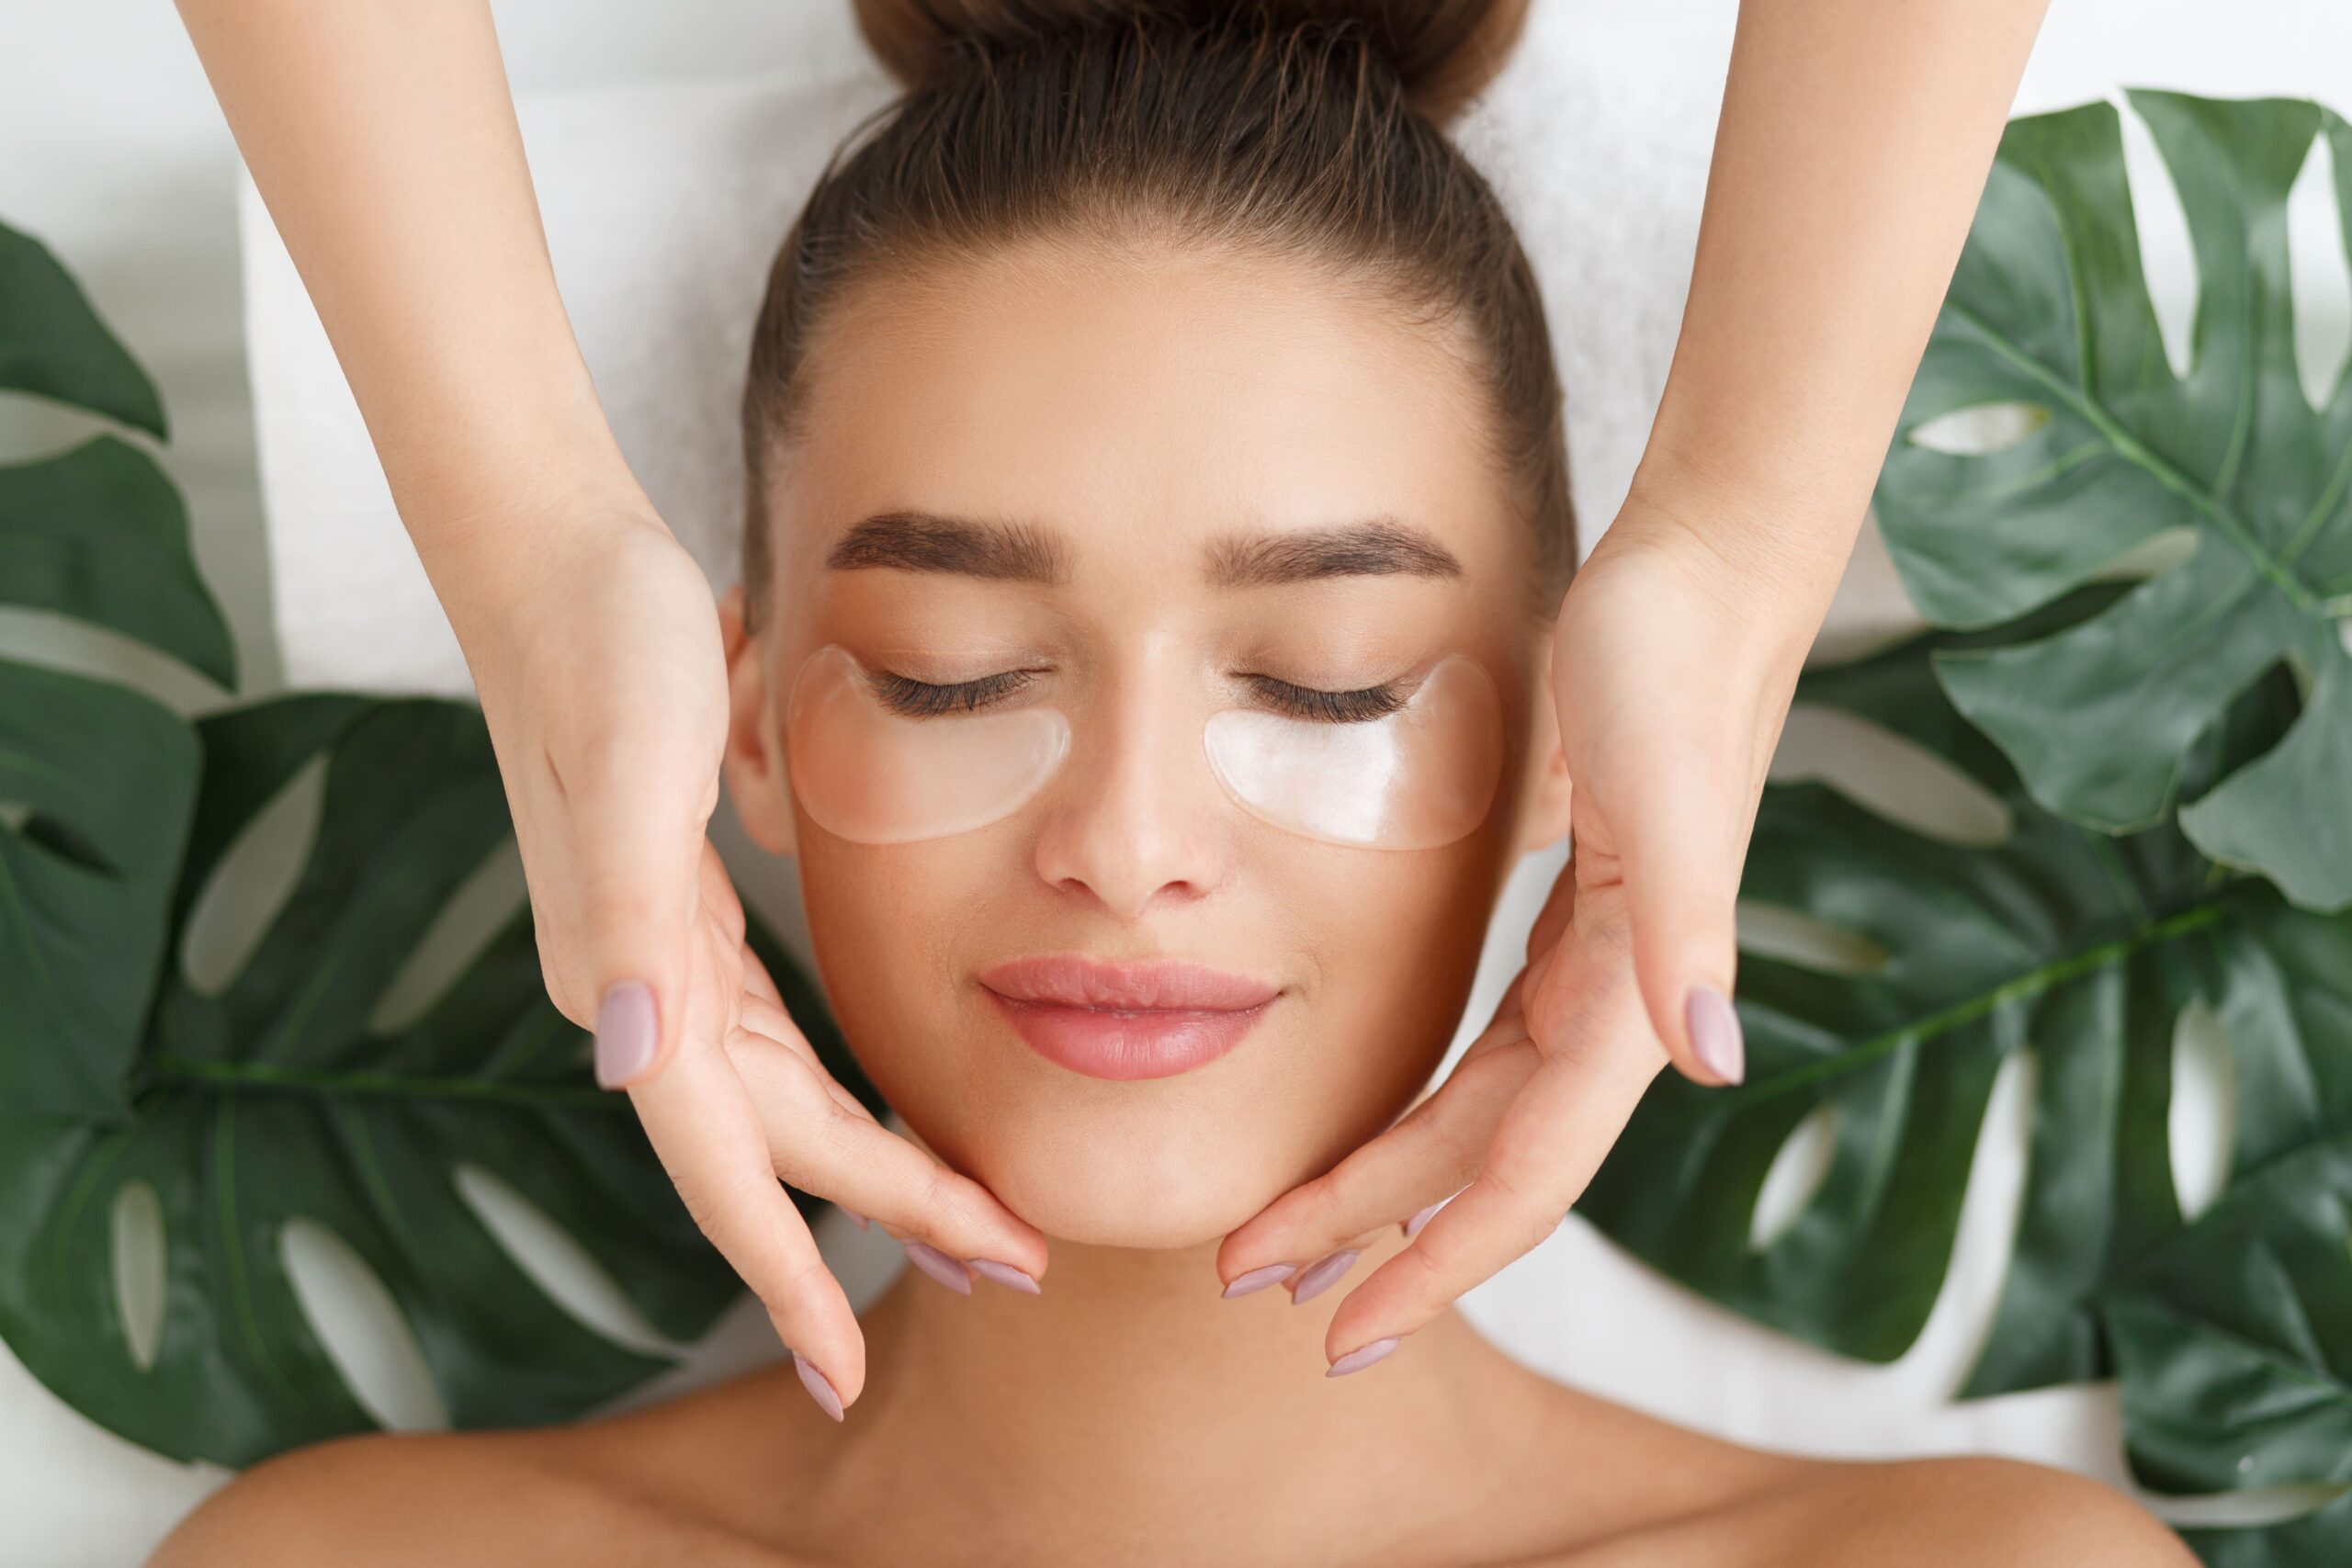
<point>1855,136</point>
<point>1158,502</point>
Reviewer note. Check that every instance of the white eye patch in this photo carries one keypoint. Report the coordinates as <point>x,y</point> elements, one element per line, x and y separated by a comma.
<point>1417,778</point>
<point>1414,779</point>
<point>876,776</point>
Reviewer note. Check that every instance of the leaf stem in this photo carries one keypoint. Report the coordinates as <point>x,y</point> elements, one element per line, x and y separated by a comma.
<point>2032,983</point>
<point>361,1082</point>
<point>2130,449</point>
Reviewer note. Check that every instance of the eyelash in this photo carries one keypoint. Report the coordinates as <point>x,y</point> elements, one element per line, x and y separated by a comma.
<point>921,699</point>
<point>1320,707</point>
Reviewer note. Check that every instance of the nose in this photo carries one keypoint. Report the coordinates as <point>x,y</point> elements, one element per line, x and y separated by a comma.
<point>1133,823</point>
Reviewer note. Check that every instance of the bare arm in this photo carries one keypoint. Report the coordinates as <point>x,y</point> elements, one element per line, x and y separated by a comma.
<point>1855,138</point>
<point>1853,146</point>
<point>383,137</point>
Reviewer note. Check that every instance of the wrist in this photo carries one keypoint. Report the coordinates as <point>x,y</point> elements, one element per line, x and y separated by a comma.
<point>496,551</point>
<point>1769,554</point>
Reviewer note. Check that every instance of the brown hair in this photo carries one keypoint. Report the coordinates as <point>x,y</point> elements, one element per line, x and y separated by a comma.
<point>1291,126</point>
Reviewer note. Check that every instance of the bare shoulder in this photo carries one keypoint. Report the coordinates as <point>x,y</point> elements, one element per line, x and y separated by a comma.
<point>455,1499</point>
<point>357,1500</point>
<point>1997,1512</point>
<point>1653,1492</point>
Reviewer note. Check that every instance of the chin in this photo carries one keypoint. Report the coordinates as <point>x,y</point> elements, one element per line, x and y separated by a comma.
<point>1165,1183</point>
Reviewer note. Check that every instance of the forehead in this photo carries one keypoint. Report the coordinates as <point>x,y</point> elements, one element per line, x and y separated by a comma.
<point>1140,400</point>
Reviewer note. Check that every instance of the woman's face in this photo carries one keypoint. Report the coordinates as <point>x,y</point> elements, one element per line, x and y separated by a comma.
<point>1148,486</point>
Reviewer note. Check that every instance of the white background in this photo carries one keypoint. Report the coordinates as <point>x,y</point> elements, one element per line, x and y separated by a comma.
<point>112,150</point>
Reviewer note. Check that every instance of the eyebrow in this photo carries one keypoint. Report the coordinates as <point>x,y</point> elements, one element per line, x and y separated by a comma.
<point>920,541</point>
<point>1384,547</point>
<point>1015,552</point>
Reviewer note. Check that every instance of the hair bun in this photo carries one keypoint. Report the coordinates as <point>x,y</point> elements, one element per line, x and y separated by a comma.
<point>1444,51</point>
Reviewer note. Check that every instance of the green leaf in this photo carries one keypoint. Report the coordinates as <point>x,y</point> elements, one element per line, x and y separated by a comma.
<point>101,781</point>
<point>52,343</point>
<point>2059,939</point>
<point>2314,1540</point>
<point>275,1100</point>
<point>2234,1338</point>
<point>100,534</point>
<point>2049,309</point>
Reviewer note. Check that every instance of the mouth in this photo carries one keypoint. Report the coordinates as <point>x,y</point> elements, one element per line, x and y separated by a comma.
<point>1149,1019</point>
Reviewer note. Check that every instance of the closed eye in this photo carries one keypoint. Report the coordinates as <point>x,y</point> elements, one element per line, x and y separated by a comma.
<point>923,699</point>
<point>1314,704</point>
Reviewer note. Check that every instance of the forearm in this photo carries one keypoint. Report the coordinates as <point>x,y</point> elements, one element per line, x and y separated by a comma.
<point>1853,147</point>
<point>383,137</point>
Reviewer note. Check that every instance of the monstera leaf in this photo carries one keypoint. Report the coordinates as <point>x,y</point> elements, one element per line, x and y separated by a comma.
<point>2082,949</point>
<point>275,1099</point>
<point>2234,1338</point>
<point>51,343</point>
<point>2059,940</point>
<point>96,782</point>
<point>2049,314</point>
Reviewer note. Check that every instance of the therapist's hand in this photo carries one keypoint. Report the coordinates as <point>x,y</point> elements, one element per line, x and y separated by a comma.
<point>598,657</point>
<point>1673,666</point>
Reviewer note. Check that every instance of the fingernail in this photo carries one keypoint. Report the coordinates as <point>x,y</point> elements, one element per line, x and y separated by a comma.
<point>1003,1274</point>
<point>628,1029</point>
<point>1322,1274</point>
<point>948,1271</point>
<point>1259,1279</point>
<point>1715,1037</point>
<point>1361,1356</point>
<point>860,1220</point>
<point>1420,1217</point>
<point>822,1389</point>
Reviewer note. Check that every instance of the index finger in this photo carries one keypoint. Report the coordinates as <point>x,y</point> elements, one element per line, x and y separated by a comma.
<point>703,1126</point>
<point>1546,1149</point>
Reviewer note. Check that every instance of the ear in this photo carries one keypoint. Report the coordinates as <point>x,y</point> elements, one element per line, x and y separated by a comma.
<point>1545,816</point>
<point>754,769</point>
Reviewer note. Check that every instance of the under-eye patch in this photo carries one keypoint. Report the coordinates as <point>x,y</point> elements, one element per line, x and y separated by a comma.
<point>868,773</point>
<point>1414,779</point>
<point>1418,777</point>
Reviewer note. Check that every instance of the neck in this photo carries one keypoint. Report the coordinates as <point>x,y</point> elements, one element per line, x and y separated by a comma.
<point>1145,1414</point>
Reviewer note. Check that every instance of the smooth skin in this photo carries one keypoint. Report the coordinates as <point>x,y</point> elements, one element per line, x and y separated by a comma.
<point>1464,1458</point>
<point>1855,138</point>
<point>1127,1413</point>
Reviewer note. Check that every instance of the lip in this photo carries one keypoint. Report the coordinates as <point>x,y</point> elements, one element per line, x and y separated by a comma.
<point>1127,1021</point>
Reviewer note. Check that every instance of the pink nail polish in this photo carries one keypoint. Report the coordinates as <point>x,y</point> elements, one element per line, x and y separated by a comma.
<point>1361,1356</point>
<point>1421,1217</point>
<point>1259,1279</point>
<point>1715,1037</point>
<point>628,1031</point>
<point>820,1388</point>
<point>948,1271</point>
<point>1003,1274</point>
<point>1322,1274</point>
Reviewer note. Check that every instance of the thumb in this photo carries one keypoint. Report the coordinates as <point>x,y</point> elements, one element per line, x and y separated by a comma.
<point>1680,847</point>
<point>641,883</point>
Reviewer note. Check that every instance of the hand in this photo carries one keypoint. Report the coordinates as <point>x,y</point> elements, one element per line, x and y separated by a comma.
<point>743,1100</point>
<point>1673,666</point>
<point>604,687</point>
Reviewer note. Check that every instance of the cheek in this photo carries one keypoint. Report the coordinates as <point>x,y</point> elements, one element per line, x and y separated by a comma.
<point>889,925</point>
<point>1398,938</point>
